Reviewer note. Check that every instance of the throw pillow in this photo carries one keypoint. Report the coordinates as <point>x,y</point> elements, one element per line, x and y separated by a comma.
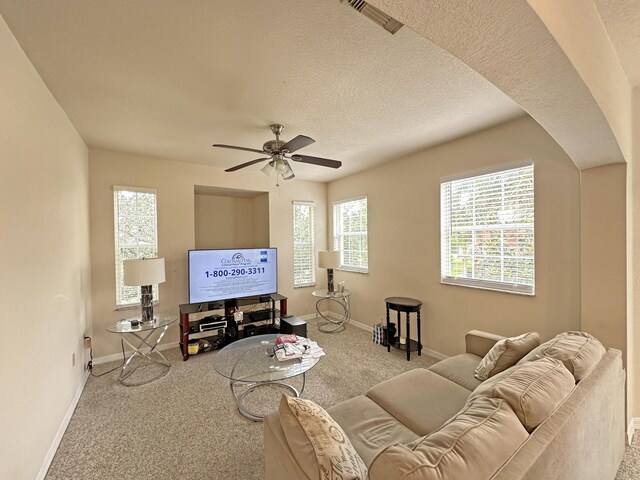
<point>475,443</point>
<point>533,389</point>
<point>506,353</point>
<point>318,443</point>
<point>579,351</point>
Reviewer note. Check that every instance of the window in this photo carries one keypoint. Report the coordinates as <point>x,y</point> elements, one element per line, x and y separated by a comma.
<point>304,271</point>
<point>487,231</point>
<point>350,234</point>
<point>136,235</point>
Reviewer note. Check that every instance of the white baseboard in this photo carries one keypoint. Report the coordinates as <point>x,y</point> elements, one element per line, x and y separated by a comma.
<point>46,463</point>
<point>369,328</point>
<point>118,356</point>
<point>634,424</point>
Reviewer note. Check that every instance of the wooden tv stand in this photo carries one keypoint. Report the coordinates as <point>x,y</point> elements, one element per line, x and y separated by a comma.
<point>229,306</point>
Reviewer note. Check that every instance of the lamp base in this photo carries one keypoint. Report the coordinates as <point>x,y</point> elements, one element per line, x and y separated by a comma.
<point>330,286</point>
<point>146,303</point>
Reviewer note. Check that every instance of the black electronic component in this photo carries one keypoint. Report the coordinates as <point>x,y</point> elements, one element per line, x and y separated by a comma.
<point>295,325</point>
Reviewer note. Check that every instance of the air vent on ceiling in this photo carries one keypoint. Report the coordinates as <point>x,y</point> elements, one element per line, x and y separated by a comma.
<point>378,16</point>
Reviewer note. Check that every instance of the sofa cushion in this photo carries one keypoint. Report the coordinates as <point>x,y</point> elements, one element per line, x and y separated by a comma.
<point>319,445</point>
<point>459,369</point>
<point>422,400</point>
<point>579,351</point>
<point>533,390</point>
<point>475,443</point>
<point>506,353</point>
<point>369,427</point>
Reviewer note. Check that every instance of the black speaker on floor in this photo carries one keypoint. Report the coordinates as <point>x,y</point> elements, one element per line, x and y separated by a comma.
<point>295,325</point>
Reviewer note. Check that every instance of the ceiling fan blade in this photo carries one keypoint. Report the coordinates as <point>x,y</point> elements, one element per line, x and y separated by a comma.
<point>288,175</point>
<point>323,162</point>
<point>297,143</point>
<point>242,165</point>
<point>238,148</point>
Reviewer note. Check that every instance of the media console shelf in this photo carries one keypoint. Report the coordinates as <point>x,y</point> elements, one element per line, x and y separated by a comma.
<point>229,306</point>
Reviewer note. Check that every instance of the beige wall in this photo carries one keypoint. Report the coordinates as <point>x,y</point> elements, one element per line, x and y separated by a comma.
<point>603,233</point>
<point>404,238</point>
<point>261,219</point>
<point>594,36</point>
<point>175,182</point>
<point>45,263</point>
<point>230,222</point>
<point>633,263</point>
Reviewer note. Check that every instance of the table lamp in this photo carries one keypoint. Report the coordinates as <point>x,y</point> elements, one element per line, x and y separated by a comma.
<point>329,260</point>
<point>144,273</point>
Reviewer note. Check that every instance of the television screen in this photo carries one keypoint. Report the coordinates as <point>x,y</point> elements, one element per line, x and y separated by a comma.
<point>225,274</point>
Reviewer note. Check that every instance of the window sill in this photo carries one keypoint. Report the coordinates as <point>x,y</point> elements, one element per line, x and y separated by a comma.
<point>134,306</point>
<point>491,288</point>
<point>352,270</point>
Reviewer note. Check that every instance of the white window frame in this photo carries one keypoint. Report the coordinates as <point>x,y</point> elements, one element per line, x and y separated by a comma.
<point>308,244</point>
<point>479,181</point>
<point>339,237</point>
<point>152,249</point>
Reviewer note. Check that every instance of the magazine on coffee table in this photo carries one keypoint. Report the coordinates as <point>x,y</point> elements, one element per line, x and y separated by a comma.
<point>303,348</point>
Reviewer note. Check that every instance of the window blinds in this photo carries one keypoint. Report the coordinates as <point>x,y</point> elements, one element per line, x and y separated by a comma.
<point>136,236</point>
<point>487,231</point>
<point>304,272</point>
<point>350,235</point>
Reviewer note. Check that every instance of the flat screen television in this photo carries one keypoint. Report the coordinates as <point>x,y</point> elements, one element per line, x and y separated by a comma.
<point>232,273</point>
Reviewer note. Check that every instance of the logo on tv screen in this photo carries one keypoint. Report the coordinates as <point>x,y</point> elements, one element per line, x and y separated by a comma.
<point>236,259</point>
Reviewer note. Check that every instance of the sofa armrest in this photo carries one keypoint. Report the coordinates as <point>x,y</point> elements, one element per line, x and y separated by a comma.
<point>479,343</point>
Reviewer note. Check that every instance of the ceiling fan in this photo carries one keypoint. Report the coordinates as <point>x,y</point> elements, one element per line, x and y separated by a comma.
<point>279,154</point>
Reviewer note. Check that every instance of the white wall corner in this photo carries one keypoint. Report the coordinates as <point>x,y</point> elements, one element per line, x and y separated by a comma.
<point>46,463</point>
<point>634,424</point>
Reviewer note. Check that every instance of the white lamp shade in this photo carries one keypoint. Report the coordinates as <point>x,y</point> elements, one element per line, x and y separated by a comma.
<point>148,271</point>
<point>328,259</point>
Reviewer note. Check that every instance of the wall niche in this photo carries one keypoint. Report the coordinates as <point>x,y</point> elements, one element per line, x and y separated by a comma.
<point>230,218</point>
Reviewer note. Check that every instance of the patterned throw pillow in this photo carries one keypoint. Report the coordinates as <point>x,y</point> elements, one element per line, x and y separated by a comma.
<point>309,428</point>
<point>506,353</point>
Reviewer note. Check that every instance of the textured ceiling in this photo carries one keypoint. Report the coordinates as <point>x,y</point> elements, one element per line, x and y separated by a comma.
<point>168,79</point>
<point>508,44</point>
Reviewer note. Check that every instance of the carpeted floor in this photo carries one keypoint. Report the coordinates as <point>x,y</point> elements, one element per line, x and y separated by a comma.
<point>186,425</point>
<point>630,466</point>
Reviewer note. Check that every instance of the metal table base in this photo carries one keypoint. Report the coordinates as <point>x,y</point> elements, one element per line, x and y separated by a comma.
<point>328,324</point>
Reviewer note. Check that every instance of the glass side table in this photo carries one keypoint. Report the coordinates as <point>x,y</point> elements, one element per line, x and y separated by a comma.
<point>140,338</point>
<point>327,324</point>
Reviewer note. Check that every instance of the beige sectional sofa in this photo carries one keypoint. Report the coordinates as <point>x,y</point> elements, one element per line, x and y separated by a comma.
<point>407,422</point>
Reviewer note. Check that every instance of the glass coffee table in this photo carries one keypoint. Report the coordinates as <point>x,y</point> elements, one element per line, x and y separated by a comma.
<point>253,373</point>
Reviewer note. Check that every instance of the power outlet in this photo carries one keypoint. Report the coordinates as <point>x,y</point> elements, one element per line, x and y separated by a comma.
<point>73,359</point>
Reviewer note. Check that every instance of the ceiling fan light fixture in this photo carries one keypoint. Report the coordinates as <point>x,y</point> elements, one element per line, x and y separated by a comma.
<point>277,151</point>
<point>268,169</point>
<point>280,167</point>
<point>288,173</point>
